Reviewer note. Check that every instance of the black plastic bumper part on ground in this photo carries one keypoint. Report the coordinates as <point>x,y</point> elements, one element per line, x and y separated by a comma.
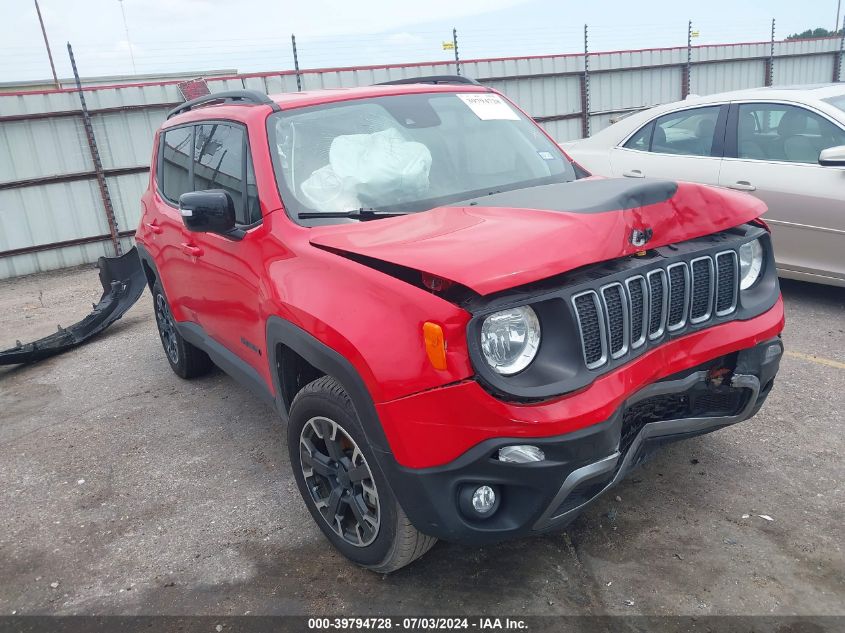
<point>123,283</point>
<point>580,466</point>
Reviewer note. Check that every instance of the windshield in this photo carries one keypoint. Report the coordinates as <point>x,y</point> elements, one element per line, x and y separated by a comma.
<point>407,153</point>
<point>838,101</point>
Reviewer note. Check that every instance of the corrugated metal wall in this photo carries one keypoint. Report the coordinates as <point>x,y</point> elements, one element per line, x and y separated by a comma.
<point>51,211</point>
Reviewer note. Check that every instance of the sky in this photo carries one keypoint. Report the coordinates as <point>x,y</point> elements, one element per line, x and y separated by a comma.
<point>166,36</point>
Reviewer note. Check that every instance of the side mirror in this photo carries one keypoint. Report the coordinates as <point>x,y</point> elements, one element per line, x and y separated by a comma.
<point>833,156</point>
<point>211,211</point>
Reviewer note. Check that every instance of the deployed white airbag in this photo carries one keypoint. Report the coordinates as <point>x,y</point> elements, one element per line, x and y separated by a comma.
<point>382,167</point>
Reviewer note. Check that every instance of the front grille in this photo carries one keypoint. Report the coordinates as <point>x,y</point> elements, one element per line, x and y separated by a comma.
<point>592,333</point>
<point>637,308</point>
<point>678,296</point>
<point>726,282</point>
<point>659,294</point>
<point>615,306</point>
<point>702,289</point>
<point>620,317</point>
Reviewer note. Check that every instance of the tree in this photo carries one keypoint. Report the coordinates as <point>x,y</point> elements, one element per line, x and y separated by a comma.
<point>811,33</point>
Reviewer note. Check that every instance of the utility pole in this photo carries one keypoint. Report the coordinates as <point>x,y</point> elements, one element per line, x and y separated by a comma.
<point>95,158</point>
<point>686,80</point>
<point>296,63</point>
<point>837,67</point>
<point>128,41</point>
<point>47,44</point>
<point>838,9</point>
<point>585,89</point>
<point>770,66</point>
<point>457,58</point>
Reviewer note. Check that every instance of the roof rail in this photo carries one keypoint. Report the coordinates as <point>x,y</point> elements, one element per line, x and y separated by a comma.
<point>253,97</point>
<point>433,79</point>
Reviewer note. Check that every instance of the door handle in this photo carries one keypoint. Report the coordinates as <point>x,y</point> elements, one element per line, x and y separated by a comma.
<point>633,173</point>
<point>742,185</point>
<point>190,249</point>
<point>153,227</point>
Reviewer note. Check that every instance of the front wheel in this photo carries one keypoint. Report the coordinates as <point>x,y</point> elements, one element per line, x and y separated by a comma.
<point>341,485</point>
<point>186,360</point>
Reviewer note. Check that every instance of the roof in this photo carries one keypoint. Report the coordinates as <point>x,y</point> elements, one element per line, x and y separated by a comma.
<point>798,92</point>
<point>292,100</point>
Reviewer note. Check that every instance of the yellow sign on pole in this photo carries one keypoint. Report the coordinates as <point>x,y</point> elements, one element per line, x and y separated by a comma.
<point>694,34</point>
<point>448,46</point>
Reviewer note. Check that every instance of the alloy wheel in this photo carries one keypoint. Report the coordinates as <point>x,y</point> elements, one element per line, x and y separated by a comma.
<point>340,481</point>
<point>166,329</point>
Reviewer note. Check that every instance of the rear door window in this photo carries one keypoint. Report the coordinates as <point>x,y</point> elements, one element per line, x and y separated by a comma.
<point>642,139</point>
<point>689,132</point>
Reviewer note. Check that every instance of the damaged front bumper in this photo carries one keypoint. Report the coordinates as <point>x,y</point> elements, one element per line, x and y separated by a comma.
<point>578,467</point>
<point>123,283</point>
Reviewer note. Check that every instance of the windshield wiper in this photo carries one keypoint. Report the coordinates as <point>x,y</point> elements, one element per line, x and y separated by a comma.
<point>361,214</point>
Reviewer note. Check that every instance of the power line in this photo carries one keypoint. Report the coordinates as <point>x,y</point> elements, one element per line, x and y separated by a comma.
<point>128,40</point>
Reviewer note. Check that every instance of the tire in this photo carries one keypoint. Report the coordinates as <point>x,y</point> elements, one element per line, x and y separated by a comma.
<point>369,526</point>
<point>186,360</point>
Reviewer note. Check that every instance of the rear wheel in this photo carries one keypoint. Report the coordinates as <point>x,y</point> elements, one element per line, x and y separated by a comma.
<point>186,360</point>
<point>342,487</point>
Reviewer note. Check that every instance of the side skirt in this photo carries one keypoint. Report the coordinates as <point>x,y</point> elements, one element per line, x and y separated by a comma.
<point>229,362</point>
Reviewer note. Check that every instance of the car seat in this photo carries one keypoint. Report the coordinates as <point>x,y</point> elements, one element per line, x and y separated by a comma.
<point>704,131</point>
<point>794,146</point>
<point>747,145</point>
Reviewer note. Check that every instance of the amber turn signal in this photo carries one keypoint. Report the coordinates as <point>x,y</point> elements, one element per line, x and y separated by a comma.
<point>435,344</point>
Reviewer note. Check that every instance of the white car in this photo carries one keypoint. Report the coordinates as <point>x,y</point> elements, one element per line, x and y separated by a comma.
<point>784,145</point>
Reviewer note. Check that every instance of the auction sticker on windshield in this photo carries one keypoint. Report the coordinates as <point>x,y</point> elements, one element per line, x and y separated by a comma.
<point>488,107</point>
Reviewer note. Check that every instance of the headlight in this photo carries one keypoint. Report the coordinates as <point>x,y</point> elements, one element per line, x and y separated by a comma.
<point>509,339</point>
<point>750,263</point>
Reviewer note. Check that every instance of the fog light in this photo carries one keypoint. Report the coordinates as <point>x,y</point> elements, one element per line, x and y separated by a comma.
<point>483,499</point>
<point>521,454</point>
<point>479,501</point>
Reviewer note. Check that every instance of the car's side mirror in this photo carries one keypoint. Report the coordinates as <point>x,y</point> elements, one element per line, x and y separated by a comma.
<point>833,156</point>
<point>211,211</point>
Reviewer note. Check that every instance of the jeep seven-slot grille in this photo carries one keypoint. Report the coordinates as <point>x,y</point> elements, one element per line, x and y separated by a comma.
<point>726,289</point>
<point>614,300</point>
<point>637,292</point>
<point>619,317</point>
<point>678,289</point>
<point>657,301</point>
<point>702,289</point>
<point>587,307</point>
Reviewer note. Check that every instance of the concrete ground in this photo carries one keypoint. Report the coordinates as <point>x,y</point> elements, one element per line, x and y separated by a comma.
<point>125,490</point>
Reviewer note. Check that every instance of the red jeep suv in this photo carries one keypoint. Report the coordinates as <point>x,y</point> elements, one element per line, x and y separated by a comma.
<point>469,337</point>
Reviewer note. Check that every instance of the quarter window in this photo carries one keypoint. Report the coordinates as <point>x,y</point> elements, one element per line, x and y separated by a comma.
<point>780,132</point>
<point>642,139</point>
<point>689,133</point>
<point>175,172</point>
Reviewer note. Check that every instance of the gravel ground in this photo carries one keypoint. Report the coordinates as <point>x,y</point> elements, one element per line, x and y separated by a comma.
<point>125,490</point>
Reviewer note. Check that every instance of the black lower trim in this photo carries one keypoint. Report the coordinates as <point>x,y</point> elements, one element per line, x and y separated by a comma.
<point>226,360</point>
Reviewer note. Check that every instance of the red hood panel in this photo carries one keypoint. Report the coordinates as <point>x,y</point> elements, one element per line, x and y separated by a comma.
<point>490,249</point>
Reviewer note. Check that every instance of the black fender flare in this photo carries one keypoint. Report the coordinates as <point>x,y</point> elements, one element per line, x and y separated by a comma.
<point>328,361</point>
<point>408,488</point>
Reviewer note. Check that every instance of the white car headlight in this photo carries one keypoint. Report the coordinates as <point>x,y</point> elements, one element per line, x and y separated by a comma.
<point>750,263</point>
<point>510,339</point>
